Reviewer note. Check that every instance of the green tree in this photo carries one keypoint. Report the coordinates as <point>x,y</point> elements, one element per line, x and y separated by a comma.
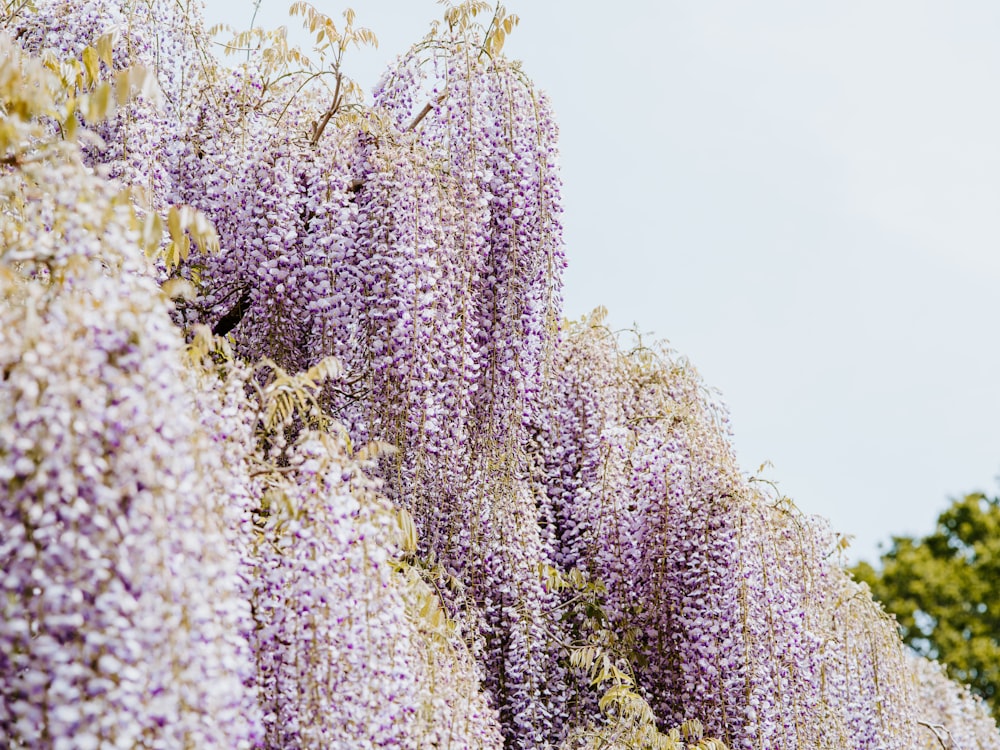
<point>943,589</point>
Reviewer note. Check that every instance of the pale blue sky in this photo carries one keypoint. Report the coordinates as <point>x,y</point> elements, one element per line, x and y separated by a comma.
<point>804,199</point>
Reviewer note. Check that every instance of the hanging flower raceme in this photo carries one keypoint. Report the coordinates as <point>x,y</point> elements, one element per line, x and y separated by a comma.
<point>948,714</point>
<point>121,609</point>
<point>642,491</point>
<point>721,596</point>
<point>493,134</point>
<point>466,250</point>
<point>163,38</point>
<point>339,662</point>
<point>122,621</point>
<point>352,649</point>
<point>282,205</point>
<point>334,666</point>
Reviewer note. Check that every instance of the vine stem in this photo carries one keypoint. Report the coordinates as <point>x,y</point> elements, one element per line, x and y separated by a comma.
<point>321,126</point>
<point>940,732</point>
<point>426,111</point>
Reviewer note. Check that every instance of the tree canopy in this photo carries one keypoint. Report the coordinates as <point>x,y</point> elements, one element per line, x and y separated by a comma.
<point>943,590</point>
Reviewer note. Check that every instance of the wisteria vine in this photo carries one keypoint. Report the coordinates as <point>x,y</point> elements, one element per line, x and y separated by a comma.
<point>296,450</point>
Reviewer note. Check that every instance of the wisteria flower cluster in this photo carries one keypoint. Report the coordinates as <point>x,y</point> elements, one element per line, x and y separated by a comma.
<point>357,485</point>
<point>121,617</point>
<point>348,651</point>
<point>176,572</point>
<point>418,254</point>
<point>951,716</point>
<point>733,612</point>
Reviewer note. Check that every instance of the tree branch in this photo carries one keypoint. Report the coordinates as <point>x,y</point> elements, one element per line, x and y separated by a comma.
<point>425,111</point>
<point>321,126</point>
<point>940,734</point>
<point>231,319</point>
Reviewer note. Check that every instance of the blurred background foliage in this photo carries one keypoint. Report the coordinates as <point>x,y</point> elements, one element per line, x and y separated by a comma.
<point>943,590</point>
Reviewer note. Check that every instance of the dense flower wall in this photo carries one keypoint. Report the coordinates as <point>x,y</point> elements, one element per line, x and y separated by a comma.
<point>394,500</point>
<point>722,593</point>
<point>177,571</point>
<point>951,716</point>
<point>121,617</point>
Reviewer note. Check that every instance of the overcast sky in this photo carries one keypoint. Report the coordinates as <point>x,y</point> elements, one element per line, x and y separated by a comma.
<point>804,199</point>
